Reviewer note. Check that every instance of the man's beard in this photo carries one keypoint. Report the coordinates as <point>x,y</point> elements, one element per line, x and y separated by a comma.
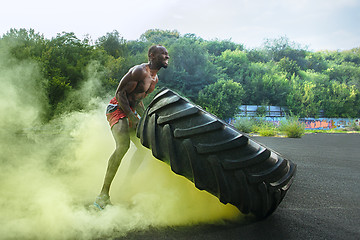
<point>164,65</point>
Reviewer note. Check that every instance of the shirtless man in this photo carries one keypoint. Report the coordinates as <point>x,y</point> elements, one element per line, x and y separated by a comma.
<point>133,87</point>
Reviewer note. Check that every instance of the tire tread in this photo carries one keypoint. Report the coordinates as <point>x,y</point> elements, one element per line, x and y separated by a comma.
<point>215,156</point>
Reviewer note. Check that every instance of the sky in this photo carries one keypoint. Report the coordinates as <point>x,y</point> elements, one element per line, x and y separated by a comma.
<point>316,24</point>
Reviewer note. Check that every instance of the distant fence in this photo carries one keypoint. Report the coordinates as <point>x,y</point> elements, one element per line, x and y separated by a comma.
<point>277,113</point>
<point>270,111</point>
<point>316,123</point>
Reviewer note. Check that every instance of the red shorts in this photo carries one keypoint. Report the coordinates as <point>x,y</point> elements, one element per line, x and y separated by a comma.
<point>114,113</point>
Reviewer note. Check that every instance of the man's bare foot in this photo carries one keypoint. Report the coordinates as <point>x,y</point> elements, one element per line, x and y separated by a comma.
<point>102,201</point>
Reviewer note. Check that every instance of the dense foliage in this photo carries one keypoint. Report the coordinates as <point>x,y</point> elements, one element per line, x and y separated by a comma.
<point>219,75</point>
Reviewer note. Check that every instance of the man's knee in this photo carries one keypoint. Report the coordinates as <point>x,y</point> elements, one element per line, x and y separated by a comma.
<point>123,144</point>
<point>120,150</point>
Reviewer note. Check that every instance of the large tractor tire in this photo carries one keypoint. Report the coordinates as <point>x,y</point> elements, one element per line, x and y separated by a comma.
<point>214,155</point>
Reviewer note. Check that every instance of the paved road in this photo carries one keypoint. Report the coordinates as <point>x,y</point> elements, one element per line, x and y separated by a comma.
<point>323,202</point>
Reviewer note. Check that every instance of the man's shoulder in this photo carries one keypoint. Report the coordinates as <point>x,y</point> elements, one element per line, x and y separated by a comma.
<point>139,70</point>
<point>140,67</point>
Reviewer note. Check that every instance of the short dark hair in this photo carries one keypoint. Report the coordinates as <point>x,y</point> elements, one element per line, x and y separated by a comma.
<point>153,49</point>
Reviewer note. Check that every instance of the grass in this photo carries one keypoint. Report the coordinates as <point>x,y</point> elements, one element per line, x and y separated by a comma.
<point>331,131</point>
<point>326,131</point>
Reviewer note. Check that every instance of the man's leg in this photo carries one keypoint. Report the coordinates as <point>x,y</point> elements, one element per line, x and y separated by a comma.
<point>121,135</point>
<point>138,156</point>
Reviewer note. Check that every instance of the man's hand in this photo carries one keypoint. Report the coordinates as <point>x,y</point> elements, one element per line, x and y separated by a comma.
<point>134,121</point>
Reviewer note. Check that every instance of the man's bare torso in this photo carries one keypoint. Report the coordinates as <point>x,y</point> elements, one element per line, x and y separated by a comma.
<point>145,84</point>
<point>134,87</point>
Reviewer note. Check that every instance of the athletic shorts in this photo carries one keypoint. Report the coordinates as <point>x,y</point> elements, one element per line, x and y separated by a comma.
<point>114,113</point>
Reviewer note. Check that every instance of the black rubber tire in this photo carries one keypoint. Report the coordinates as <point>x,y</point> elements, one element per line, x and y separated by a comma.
<point>214,155</point>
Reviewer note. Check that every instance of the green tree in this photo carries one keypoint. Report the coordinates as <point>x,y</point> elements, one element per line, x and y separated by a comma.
<point>346,72</point>
<point>64,63</point>
<point>258,55</point>
<point>303,98</point>
<point>264,84</point>
<point>189,70</point>
<point>279,48</point>
<point>341,100</point>
<point>280,73</point>
<point>222,98</point>
<point>352,56</point>
<point>157,36</point>
<point>339,57</point>
<point>25,44</point>
<point>316,61</point>
<point>217,47</point>
<point>288,67</point>
<point>137,47</point>
<point>232,64</point>
<point>113,44</point>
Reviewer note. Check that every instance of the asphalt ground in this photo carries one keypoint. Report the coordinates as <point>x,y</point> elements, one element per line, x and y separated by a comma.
<point>322,203</point>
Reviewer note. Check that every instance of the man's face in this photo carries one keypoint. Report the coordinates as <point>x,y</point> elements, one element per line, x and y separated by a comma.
<point>161,57</point>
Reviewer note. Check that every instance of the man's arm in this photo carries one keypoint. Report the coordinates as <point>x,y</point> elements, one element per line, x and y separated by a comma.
<point>140,108</point>
<point>126,86</point>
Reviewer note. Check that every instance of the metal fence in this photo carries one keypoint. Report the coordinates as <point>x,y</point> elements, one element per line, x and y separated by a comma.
<point>269,111</point>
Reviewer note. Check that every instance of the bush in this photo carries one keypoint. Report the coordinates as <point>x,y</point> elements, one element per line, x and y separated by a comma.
<point>255,124</point>
<point>267,129</point>
<point>292,128</point>
<point>353,127</point>
<point>245,124</point>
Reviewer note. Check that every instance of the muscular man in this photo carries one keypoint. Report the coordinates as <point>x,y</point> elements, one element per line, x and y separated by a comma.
<point>133,87</point>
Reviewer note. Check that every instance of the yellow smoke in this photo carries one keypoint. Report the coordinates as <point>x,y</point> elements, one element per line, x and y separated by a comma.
<point>50,174</point>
